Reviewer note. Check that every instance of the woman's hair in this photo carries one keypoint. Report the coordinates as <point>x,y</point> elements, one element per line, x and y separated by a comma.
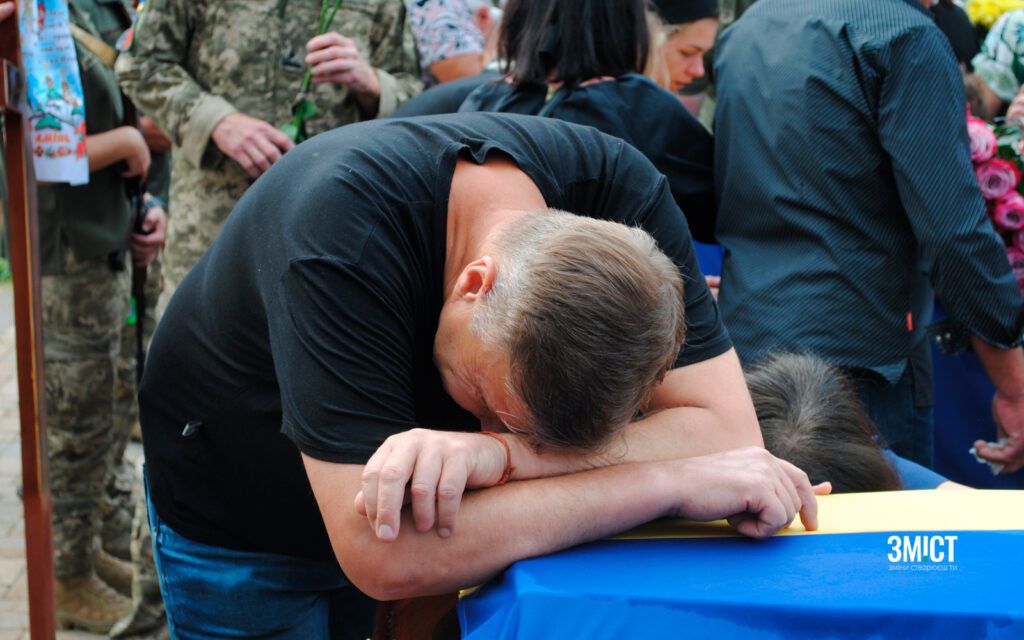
<point>811,416</point>
<point>570,41</point>
<point>657,68</point>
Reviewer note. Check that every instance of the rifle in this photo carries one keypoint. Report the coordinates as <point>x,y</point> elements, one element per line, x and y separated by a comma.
<point>136,190</point>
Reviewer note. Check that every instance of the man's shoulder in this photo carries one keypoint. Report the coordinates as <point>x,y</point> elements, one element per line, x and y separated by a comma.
<point>876,21</point>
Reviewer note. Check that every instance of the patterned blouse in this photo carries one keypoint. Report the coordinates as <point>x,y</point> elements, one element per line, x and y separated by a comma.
<point>442,29</point>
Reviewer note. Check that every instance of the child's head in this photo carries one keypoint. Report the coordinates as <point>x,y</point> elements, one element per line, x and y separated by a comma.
<point>811,416</point>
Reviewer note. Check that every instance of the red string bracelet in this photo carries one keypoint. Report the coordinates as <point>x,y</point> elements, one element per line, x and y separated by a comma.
<point>508,457</point>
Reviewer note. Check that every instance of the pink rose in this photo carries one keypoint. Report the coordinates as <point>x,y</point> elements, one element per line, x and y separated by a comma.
<point>996,177</point>
<point>982,138</point>
<point>1008,212</point>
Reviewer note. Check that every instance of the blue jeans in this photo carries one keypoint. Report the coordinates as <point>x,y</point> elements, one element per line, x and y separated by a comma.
<point>907,427</point>
<point>213,592</point>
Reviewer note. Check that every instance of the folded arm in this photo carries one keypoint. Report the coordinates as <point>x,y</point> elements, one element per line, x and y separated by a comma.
<point>500,525</point>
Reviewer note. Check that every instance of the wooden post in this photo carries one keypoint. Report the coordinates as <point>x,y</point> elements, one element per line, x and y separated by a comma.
<point>24,240</point>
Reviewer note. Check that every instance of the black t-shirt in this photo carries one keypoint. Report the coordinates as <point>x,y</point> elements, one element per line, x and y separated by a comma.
<point>446,97</point>
<point>309,324</point>
<point>633,108</point>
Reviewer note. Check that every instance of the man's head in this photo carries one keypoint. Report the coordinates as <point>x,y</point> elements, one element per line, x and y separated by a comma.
<point>562,330</point>
<point>811,416</point>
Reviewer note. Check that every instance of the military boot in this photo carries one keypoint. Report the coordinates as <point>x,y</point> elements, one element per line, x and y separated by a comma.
<point>115,572</point>
<point>87,603</point>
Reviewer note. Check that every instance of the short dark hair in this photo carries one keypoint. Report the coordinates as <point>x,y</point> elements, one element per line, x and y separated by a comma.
<point>811,416</point>
<point>570,41</point>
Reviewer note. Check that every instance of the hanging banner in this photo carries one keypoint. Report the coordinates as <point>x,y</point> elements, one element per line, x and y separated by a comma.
<point>55,97</point>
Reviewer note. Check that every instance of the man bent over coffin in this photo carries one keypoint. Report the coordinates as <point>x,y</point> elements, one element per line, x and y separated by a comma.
<point>315,395</point>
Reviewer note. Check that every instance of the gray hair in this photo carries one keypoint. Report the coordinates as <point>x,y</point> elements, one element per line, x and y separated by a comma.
<point>591,316</point>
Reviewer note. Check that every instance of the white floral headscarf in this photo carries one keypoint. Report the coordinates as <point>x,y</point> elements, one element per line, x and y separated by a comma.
<point>1001,60</point>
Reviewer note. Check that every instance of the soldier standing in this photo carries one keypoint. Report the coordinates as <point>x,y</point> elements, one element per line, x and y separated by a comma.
<point>241,67</point>
<point>83,237</point>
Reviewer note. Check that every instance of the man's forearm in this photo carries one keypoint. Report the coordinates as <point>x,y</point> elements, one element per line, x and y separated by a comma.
<point>680,432</point>
<point>501,525</point>
<point>495,527</point>
<point>1005,367</point>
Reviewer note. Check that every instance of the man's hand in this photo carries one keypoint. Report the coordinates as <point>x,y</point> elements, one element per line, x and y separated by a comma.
<point>155,137</point>
<point>757,492</point>
<point>437,467</point>
<point>251,142</point>
<point>144,246</point>
<point>134,152</point>
<point>1005,368</point>
<point>6,10</point>
<point>335,59</point>
<point>1008,413</point>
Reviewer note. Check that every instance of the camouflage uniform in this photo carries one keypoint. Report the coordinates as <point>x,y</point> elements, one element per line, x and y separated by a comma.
<point>83,311</point>
<point>85,301</point>
<point>244,56</point>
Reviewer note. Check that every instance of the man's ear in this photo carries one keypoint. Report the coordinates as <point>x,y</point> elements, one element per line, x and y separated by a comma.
<point>476,279</point>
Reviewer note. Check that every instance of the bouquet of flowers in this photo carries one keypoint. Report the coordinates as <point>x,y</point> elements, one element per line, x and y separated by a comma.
<point>984,13</point>
<point>995,151</point>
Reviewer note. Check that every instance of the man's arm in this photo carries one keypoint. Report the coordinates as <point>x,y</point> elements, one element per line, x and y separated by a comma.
<point>455,67</point>
<point>1005,367</point>
<point>395,59</point>
<point>957,247</point>
<point>697,409</point>
<point>151,72</point>
<point>501,525</point>
<point>701,408</point>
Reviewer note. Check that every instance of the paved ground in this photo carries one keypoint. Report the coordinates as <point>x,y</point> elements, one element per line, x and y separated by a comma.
<point>13,585</point>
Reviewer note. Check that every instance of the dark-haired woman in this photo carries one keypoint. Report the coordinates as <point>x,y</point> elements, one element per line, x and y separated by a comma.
<point>582,61</point>
<point>810,415</point>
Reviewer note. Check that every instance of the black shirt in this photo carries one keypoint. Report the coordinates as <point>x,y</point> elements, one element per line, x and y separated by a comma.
<point>846,187</point>
<point>442,98</point>
<point>309,324</point>
<point>640,112</point>
<point>953,21</point>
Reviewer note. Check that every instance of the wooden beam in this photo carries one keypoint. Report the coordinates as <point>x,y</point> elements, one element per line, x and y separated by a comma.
<point>24,240</point>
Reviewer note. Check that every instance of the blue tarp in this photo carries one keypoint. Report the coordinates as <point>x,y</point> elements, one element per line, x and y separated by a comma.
<point>821,586</point>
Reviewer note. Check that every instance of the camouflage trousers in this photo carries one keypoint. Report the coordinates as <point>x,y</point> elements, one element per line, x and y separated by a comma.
<point>200,210</point>
<point>84,309</point>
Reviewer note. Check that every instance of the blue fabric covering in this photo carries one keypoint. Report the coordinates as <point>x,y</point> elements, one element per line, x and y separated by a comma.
<point>839,586</point>
<point>710,257</point>
<point>913,475</point>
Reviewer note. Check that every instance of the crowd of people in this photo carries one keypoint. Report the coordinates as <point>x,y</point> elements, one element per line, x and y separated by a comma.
<point>464,323</point>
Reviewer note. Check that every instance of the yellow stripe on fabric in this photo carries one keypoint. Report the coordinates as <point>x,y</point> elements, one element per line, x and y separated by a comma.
<point>934,510</point>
